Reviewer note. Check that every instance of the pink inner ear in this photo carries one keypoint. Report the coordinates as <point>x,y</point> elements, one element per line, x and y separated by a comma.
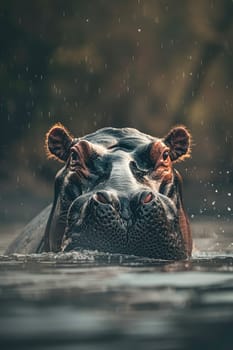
<point>179,142</point>
<point>58,142</point>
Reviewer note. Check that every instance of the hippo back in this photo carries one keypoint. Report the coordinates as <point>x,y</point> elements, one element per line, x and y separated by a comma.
<point>30,239</point>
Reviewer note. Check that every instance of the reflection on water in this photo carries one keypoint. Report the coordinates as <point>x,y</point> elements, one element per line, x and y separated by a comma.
<point>90,300</point>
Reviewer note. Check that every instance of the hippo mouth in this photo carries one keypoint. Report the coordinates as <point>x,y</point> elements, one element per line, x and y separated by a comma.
<point>146,225</point>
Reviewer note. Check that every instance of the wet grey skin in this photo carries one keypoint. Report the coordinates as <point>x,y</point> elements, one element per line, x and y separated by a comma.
<point>117,192</point>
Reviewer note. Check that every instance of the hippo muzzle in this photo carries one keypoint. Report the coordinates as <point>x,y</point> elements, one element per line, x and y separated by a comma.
<point>144,224</point>
<point>119,193</point>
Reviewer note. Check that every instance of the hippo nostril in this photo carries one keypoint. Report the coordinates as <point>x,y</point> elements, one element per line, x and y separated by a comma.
<point>141,198</point>
<point>103,197</point>
<point>147,197</point>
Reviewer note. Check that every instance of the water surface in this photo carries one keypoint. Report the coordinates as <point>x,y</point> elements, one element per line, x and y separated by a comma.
<point>91,300</point>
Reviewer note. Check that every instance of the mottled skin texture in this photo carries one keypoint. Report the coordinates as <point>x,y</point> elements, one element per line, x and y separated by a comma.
<point>118,192</point>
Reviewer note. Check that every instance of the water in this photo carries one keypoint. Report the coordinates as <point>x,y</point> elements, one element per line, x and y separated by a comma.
<point>90,300</point>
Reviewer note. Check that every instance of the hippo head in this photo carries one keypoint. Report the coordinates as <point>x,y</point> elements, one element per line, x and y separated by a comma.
<point>118,192</point>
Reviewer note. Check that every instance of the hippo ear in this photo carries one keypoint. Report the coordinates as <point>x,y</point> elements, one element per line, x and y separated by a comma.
<point>58,142</point>
<point>179,142</point>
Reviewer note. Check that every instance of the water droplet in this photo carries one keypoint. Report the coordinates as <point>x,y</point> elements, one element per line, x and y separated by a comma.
<point>228,208</point>
<point>229,194</point>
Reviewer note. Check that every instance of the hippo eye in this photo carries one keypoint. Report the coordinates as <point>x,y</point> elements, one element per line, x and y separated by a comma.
<point>73,157</point>
<point>165,155</point>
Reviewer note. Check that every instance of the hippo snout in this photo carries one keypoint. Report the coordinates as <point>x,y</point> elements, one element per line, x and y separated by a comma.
<point>138,224</point>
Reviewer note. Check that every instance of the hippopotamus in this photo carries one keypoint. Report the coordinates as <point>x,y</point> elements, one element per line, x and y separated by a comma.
<point>116,192</point>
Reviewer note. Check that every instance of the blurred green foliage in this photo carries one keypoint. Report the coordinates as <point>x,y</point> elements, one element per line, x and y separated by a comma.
<point>140,63</point>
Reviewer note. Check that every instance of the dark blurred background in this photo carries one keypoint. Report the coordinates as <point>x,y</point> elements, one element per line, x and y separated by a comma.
<point>146,64</point>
